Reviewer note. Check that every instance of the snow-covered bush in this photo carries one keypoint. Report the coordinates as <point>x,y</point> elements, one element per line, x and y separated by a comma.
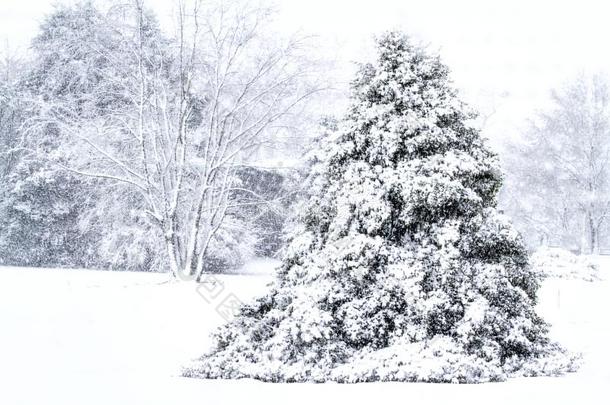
<point>404,270</point>
<point>234,244</point>
<point>560,263</point>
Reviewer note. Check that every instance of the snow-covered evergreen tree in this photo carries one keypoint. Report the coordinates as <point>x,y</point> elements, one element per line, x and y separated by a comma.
<point>404,271</point>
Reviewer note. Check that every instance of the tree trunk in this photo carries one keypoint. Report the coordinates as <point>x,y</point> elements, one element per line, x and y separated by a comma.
<point>173,260</point>
<point>544,239</point>
<point>583,236</point>
<point>593,236</point>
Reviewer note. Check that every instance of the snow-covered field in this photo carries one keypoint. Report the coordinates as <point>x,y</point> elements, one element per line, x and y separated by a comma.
<point>90,337</point>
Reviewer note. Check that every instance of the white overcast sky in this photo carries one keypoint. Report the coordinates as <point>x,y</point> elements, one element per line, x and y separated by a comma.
<point>519,48</point>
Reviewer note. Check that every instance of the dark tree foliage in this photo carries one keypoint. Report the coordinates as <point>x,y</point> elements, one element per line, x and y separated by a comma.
<point>265,201</point>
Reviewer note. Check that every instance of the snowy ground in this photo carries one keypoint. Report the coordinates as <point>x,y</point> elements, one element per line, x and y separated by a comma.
<point>89,337</point>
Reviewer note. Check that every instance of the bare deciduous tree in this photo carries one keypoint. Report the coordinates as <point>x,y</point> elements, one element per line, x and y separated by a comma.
<point>193,110</point>
<point>560,174</point>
